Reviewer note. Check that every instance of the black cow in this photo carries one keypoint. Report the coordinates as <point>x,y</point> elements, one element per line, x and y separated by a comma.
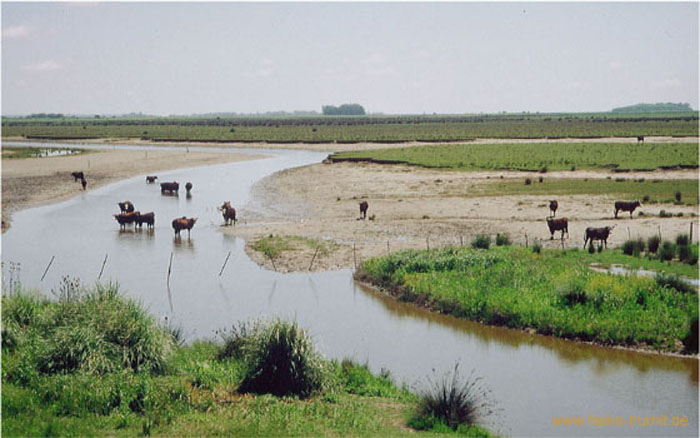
<point>126,206</point>
<point>640,139</point>
<point>83,183</point>
<point>151,179</point>
<point>553,205</point>
<point>558,225</point>
<point>77,176</point>
<point>169,187</point>
<point>183,223</point>
<point>147,218</point>
<point>363,209</point>
<point>626,206</point>
<point>597,234</point>
<point>188,187</point>
<point>126,218</point>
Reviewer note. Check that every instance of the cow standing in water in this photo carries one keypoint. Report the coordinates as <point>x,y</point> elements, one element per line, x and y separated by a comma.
<point>126,218</point>
<point>151,179</point>
<point>626,206</point>
<point>558,225</point>
<point>188,187</point>
<point>553,205</point>
<point>147,218</point>
<point>77,176</point>
<point>183,223</point>
<point>126,206</point>
<point>171,187</point>
<point>363,209</point>
<point>228,212</point>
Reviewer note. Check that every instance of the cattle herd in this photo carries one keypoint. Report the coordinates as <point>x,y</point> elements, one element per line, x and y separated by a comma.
<point>592,233</point>
<point>129,215</point>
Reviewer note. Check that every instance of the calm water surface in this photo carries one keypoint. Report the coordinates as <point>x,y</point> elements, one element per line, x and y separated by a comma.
<point>533,378</point>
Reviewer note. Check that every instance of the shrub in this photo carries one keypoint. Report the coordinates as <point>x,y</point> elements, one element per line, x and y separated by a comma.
<point>454,403</point>
<point>667,251</point>
<point>528,181</point>
<point>280,359</point>
<point>481,241</point>
<point>537,247</point>
<point>678,196</point>
<point>502,239</point>
<point>675,282</point>
<point>682,240</point>
<point>653,244</point>
<point>683,252</point>
<point>663,213</point>
<point>573,292</point>
<point>645,198</point>
<point>633,247</point>
<point>234,340</point>
<point>690,342</point>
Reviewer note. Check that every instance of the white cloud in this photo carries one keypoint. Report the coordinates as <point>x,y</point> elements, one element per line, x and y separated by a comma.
<point>376,64</point>
<point>43,66</point>
<point>15,32</point>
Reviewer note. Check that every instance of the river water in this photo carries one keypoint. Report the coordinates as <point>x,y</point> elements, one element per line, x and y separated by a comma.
<point>532,378</point>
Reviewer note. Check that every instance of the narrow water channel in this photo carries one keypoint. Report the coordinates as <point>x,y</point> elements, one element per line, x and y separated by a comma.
<point>533,378</point>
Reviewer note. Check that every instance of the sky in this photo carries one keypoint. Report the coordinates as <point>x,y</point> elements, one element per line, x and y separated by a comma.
<point>393,58</point>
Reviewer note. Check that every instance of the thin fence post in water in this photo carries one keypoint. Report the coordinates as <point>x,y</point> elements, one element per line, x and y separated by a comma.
<point>224,265</point>
<point>313,258</point>
<point>170,297</point>
<point>354,256</point>
<point>103,267</point>
<point>47,268</point>
<point>273,261</point>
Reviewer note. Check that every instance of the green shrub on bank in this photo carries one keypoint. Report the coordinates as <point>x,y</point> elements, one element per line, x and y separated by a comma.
<point>481,241</point>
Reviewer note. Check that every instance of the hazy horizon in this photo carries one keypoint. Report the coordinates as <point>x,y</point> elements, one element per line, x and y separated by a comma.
<point>392,58</point>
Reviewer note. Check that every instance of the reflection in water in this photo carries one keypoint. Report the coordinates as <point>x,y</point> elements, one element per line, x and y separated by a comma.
<point>183,244</point>
<point>605,359</point>
<point>271,295</point>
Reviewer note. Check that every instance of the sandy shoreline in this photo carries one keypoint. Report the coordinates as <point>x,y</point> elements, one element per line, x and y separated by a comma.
<point>36,181</point>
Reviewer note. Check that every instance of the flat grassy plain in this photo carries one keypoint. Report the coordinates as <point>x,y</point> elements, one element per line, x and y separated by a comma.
<point>537,156</point>
<point>318,129</point>
<point>648,191</point>
<point>551,292</point>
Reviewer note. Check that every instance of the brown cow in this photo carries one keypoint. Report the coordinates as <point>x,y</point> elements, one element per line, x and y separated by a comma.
<point>77,176</point>
<point>169,187</point>
<point>597,234</point>
<point>151,179</point>
<point>228,212</point>
<point>183,223</point>
<point>626,206</point>
<point>126,218</point>
<point>363,209</point>
<point>126,206</point>
<point>148,218</point>
<point>188,187</point>
<point>558,225</point>
<point>553,205</point>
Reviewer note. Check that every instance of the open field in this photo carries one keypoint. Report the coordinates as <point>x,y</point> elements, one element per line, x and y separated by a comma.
<point>537,156</point>
<point>323,129</point>
<point>551,292</point>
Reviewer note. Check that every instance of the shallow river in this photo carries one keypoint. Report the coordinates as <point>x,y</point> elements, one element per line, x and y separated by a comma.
<point>533,378</point>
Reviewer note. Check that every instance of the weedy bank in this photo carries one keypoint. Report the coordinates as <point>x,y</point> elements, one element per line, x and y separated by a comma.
<point>552,292</point>
<point>93,363</point>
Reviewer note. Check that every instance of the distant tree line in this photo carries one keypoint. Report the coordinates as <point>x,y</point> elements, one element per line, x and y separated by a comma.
<point>45,116</point>
<point>654,108</point>
<point>346,109</point>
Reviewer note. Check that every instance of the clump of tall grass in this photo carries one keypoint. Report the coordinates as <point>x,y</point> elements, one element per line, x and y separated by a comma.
<point>633,247</point>
<point>690,341</point>
<point>280,359</point>
<point>682,239</point>
<point>667,251</point>
<point>653,243</point>
<point>675,282</point>
<point>502,239</point>
<point>481,241</point>
<point>453,402</point>
<point>537,247</point>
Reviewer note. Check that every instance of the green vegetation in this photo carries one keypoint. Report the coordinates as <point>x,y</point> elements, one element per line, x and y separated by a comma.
<point>537,156</point>
<point>93,363</point>
<point>654,108</point>
<point>553,292</point>
<point>346,109</point>
<point>647,191</point>
<point>348,129</point>
<point>272,246</point>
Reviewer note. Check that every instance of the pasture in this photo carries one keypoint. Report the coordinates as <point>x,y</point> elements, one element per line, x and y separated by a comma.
<point>352,129</point>
<point>552,292</point>
<point>540,157</point>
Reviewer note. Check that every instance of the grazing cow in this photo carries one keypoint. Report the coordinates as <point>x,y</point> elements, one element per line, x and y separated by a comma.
<point>169,187</point>
<point>640,139</point>
<point>83,183</point>
<point>558,225</point>
<point>626,206</point>
<point>126,206</point>
<point>597,234</point>
<point>228,212</point>
<point>126,218</point>
<point>151,179</point>
<point>553,205</point>
<point>183,223</point>
<point>188,187</point>
<point>77,176</point>
<point>147,218</point>
<point>363,209</point>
